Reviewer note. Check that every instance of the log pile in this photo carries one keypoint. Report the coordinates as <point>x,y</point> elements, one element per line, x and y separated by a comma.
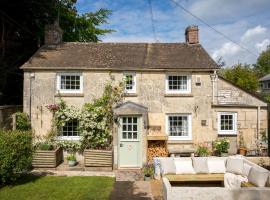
<point>156,149</point>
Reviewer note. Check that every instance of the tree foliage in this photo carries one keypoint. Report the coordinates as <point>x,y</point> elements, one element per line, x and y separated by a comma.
<point>263,63</point>
<point>22,25</point>
<point>242,75</point>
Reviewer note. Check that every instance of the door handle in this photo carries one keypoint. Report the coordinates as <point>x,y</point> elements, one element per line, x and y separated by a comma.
<point>121,145</point>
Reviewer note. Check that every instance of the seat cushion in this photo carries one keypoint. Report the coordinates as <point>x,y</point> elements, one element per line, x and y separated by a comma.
<point>216,165</point>
<point>184,166</point>
<point>258,176</point>
<point>167,166</point>
<point>200,165</point>
<point>235,166</point>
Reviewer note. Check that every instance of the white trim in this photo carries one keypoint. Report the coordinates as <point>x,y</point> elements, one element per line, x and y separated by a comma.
<point>58,82</point>
<point>74,138</point>
<point>189,137</point>
<point>134,86</point>
<point>187,91</point>
<point>227,132</point>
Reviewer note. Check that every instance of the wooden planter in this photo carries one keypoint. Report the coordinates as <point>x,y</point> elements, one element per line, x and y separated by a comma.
<point>98,158</point>
<point>47,158</point>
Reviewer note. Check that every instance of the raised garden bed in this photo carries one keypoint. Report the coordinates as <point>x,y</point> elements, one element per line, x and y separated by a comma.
<point>47,158</point>
<point>98,158</point>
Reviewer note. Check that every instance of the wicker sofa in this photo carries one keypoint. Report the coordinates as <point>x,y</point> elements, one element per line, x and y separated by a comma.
<point>241,178</point>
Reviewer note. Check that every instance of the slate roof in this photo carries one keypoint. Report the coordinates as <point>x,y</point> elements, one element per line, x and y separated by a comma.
<point>265,78</point>
<point>121,56</point>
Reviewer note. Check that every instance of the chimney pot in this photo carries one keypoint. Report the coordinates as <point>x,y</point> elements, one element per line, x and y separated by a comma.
<point>53,34</point>
<point>192,34</point>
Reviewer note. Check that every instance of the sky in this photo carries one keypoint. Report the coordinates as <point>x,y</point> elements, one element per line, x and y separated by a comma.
<point>246,22</point>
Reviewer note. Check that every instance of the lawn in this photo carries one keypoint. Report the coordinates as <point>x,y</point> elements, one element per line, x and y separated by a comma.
<point>58,188</point>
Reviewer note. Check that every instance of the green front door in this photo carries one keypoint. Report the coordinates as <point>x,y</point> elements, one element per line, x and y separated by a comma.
<point>130,141</point>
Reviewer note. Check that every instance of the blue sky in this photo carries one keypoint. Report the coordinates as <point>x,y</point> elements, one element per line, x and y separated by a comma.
<point>245,21</point>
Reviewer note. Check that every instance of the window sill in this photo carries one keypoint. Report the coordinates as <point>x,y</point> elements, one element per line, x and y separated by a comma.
<point>178,95</point>
<point>69,95</point>
<point>227,134</point>
<point>130,95</point>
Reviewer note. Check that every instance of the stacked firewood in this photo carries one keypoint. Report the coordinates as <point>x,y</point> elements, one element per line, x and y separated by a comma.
<point>156,149</point>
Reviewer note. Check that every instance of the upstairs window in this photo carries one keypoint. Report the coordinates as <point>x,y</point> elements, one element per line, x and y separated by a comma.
<point>227,123</point>
<point>178,84</point>
<point>70,83</point>
<point>130,82</point>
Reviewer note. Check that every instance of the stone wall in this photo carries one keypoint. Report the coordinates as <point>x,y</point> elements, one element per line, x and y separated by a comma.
<point>151,94</point>
<point>6,113</point>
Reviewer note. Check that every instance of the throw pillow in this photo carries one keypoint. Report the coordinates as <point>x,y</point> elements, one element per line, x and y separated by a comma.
<point>235,166</point>
<point>247,169</point>
<point>216,165</point>
<point>258,176</point>
<point>184,166</point>
<point>200,165</point>
<point>167,166</point>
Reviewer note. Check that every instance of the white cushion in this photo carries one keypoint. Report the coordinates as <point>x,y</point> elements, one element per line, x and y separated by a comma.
<point>216,165</point>
<point>184,166</point>
<point>167,166</point>
<point>246,170</point>
<point>235,166</point>
<point>258,176</point>
<point>200,165</point>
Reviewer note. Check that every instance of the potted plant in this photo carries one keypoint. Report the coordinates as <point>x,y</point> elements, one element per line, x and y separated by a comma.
<point>148,171</point>
<point>71,160</point>
<point>221,146</point>
<point>47,155</point>
<point>202,150</point>
<point>242,146</point>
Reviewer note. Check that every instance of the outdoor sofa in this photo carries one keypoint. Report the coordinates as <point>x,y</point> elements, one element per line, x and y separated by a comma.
<point>240,178</point>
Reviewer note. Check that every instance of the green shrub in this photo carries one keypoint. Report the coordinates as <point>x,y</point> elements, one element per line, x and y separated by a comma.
<point>22,121</point>
<point>71,157</point>
<point>202,150</point>
<point>15,154</point>
<point>221,145</point>
<point>45,146</point>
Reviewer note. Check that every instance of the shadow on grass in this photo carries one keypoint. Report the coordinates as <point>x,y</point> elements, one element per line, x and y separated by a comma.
<point>127,190</point>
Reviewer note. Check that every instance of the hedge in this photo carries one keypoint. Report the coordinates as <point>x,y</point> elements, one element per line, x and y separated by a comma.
<point>15,154</point>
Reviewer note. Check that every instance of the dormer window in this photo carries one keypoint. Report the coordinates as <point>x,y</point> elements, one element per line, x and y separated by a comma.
<point>177,83</point>
<point>130,82</point>
<point>70,83</point>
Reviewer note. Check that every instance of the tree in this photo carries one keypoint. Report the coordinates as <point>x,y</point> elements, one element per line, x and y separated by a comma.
<point>22,25</point>
<point>263,62</point>
<point>242,75</point>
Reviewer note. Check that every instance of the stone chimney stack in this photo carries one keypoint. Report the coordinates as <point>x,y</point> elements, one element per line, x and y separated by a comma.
<point>192,34</point>
<point>53,34</point>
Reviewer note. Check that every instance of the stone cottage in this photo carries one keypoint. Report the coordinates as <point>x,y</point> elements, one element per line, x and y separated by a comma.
<point>173,95</point>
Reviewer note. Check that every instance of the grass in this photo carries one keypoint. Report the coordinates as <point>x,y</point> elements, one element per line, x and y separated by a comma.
<point>59,188</point>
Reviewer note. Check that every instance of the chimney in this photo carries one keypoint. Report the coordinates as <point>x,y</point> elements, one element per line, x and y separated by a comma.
<point>53,34</point>
<point>192,34</point>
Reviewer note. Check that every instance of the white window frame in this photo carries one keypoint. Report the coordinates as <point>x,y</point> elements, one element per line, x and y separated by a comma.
<point>58,83</point>
<point>189,117</point>
<point>187,91</point>
<point>133,74</point>
<point>227,132</point>
<point>61,137</point>
<point>126,139</point>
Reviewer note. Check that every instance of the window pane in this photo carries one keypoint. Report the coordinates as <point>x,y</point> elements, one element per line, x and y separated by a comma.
<point>70,129</point>
<point>177,83</point>
<point>70,82</point>
<point>178,125</point>
<point>129,128</point>
<point>226,122</point>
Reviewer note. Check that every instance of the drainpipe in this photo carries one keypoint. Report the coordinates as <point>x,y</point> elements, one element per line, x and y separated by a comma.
<point>213,80</point>
<point>258,124</point>
<point>32,76</point>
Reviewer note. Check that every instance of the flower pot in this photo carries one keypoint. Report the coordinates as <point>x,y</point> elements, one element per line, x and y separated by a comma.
<point>224,154</point>
<point>243,151</point>
<point>71,163</point>
<point>147,178</point>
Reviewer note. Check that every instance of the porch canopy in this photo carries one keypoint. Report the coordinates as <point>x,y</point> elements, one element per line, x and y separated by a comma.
<point>131,108</point>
